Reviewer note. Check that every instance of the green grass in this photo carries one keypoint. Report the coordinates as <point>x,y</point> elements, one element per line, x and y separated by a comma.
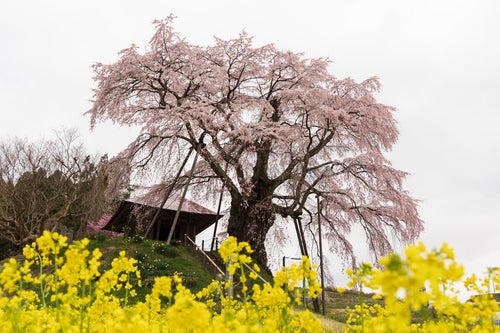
<point>337,305</point>
<point>348,298</point>
<point>155,259</point>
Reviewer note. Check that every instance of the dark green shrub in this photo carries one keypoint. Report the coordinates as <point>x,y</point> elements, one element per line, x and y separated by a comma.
<point>170,252</point>
<point>136,238</point>
<point>189,279</point>
<point>140,256</point>
<point>155,268</point>
<point>166,250</point>
<point>101,238</point>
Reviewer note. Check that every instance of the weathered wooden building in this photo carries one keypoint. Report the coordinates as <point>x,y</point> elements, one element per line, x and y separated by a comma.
<point>134,215</point>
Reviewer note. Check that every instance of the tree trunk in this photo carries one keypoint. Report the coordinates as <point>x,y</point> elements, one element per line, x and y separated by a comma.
<point>250,222</point>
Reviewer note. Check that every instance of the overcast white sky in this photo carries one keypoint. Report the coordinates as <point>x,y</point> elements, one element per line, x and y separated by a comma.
<point>438,61</point>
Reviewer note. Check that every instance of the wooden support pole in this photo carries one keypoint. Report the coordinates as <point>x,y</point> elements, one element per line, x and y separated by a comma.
<point>299,237</point>
<point>218,212</point>
<point>304,252</point>
<point>217,219</point>
<point>166,196</point>
<point>302,237</point>
<point>321,257</point>
<point>176,218</point>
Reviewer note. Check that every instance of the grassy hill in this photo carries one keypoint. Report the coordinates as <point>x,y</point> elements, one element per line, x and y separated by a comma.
<point>337,303</point>
<point>156,259</point>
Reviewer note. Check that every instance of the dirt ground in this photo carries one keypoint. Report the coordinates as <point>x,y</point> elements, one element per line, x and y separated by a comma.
<point>332,325</point>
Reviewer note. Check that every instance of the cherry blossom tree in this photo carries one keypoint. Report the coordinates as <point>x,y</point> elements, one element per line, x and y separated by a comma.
<point>275,127</point>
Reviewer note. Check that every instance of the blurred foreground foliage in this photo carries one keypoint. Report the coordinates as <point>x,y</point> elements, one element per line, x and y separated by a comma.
<point>61,287</point>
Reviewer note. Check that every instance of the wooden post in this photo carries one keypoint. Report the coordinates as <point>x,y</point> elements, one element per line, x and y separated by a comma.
<point>176,218</point>
<point>229,277</point>
<point>299,236</point>
<point>165,198</point>
<point>302,237</point>
<point>321,257</point>
<point>304,252</point>
<point>218,211</point>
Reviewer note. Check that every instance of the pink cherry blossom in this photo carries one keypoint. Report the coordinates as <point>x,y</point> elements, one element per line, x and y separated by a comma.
<point>276,128</point>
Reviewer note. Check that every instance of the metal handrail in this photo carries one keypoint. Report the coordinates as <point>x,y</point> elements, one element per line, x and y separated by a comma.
<point>204,253</point>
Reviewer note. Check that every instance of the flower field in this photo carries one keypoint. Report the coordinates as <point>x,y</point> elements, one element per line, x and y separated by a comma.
<point>61,287</point>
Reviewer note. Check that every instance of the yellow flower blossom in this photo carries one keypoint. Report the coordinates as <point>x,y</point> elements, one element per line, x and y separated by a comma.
<point>58,288</point>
